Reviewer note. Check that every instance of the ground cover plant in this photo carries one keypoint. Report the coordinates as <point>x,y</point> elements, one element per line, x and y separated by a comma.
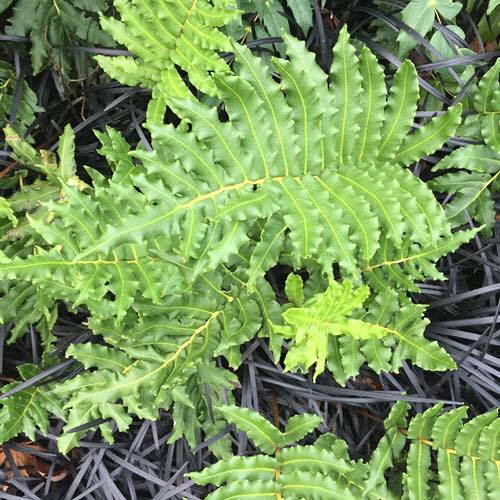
<point>278,199</point>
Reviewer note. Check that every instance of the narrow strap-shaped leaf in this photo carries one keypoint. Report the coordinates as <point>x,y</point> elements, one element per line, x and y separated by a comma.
<point>381,307</point>
<point>487,97</point>
<point>358,214</point>
<point>412,344</point>
<point>400,110</point>
<point>419,454</point>
<point>449,486</point>
<point>221,138</point>
<point>66,153</point>
<point>248,116</point>
<point>489,442</point>
<point>334,360</point>
<point>490,129</point>
<point>473,479</point>
<point>388,450</point>
<point>417,469</point>
<point>351,355</point>
<point>301,215</point>
<point>475,157</point>
<point>492,478</point>
<point>422,424</point>
<point>468,439</point>
<point>447,427</point>
<point>264,435</point>
<point>346,90</point>
<point>487,103</point>
<point>430,136</point>
<point>382,198</point>
<point>336,242</point>
<point>373,103</point>
<point>299,426</point>
<point>312,459</point>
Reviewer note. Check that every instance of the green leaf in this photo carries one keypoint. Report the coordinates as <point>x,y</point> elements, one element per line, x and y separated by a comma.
<point>346,89</point>
<point>259,468</point>
<point>400,110</point>
<point>429,137</point>
<point>28,409</point>
<point>302,12</point>
<point>323,315</point>
<point>299,426</point>
<point>419,15</point>
<point>263,490</point>
<point>373,103</point>
<point>263,434</point>
<point>306,485</point>
<point>492,5</point>
<point>66,153</point>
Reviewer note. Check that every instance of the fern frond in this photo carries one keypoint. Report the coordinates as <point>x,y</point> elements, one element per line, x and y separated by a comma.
<point>29,409</point>
<point>27,106</point>
<point>163,34</point>
<point>471,188</point>
<point>466,458</point>
<point>217,203</point>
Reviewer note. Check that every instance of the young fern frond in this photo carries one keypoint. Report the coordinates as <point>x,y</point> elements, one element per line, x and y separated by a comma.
<point>443,458</point>
<point>169,255</point>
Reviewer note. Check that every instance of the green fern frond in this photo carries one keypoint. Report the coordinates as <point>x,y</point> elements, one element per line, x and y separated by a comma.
<point>163,35</point>
<point>24,303</point>
<point>169,255</point>
<point>444,458</point>
<point>471,187</point>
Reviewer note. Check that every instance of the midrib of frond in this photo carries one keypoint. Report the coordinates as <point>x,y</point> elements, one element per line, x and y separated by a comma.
<point>212,195</point>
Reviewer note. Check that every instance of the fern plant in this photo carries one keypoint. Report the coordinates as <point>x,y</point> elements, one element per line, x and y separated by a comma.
<point>169,255</point>
<point>441,456</point>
